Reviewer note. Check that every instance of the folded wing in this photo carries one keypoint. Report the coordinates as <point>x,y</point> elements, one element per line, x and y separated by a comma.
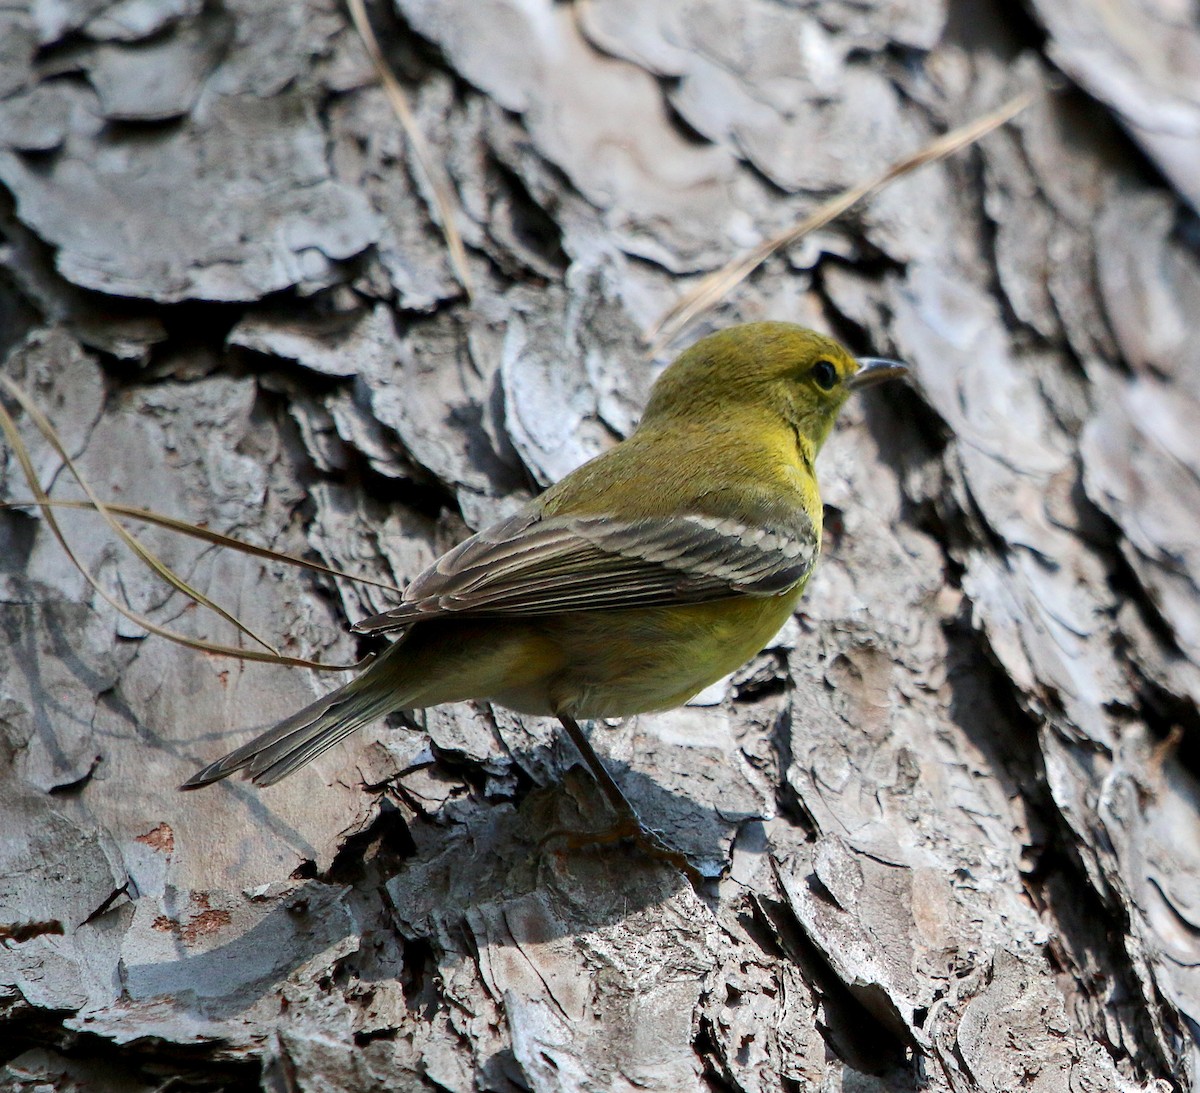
<point>534,565</point>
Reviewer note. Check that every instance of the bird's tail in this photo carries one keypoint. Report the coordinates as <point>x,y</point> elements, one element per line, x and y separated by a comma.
<point>428,665</point>
<point>299,739</point>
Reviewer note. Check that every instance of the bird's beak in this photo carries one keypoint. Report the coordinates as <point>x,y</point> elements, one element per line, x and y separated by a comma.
<point>873,370</point>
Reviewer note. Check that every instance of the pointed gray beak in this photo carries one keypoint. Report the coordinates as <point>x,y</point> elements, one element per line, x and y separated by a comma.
<point>873,370</point>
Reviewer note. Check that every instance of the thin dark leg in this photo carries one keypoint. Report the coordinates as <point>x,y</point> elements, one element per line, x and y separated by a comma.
<point>612,791</point>
<point>628,826</point>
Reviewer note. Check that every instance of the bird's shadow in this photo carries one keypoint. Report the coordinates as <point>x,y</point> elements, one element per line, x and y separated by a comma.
<point>536,869</point>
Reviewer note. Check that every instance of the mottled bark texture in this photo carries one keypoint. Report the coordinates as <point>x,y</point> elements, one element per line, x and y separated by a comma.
<point>949,816</point>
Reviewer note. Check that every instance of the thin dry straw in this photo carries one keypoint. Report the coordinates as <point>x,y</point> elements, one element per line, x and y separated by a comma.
<point>716,286</point>
<point>433,171</point>
<point>43,501</point>
<point>173,523</point>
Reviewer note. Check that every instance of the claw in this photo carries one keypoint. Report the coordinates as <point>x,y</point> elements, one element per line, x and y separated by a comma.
<point>631,830</point>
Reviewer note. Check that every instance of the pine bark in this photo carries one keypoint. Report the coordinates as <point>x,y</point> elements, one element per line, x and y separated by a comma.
<point>949,818</point>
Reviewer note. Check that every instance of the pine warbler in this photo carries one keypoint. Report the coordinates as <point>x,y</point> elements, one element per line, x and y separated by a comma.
<point>635,582</point>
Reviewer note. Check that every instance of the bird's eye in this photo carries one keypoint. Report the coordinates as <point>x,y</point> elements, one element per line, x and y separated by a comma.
<point>824,375</point>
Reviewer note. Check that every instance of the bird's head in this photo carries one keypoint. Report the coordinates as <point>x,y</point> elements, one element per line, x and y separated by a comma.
<point>773,368</point>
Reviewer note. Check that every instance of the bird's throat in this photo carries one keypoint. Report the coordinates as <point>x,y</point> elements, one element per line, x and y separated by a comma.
<point>806,450</point>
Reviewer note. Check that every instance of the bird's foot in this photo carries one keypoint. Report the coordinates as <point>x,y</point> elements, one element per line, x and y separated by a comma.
<point>631,830</point>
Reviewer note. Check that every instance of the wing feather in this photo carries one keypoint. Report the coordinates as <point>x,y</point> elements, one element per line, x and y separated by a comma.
<point>534,565</point>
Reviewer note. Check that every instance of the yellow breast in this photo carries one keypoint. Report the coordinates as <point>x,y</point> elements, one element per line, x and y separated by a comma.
<point>618,663</point>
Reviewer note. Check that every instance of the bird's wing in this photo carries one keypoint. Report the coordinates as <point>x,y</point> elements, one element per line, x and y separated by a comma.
<point>534,565</point>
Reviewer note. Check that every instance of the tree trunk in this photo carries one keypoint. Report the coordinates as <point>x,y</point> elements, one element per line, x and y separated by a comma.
<point>948,819</point>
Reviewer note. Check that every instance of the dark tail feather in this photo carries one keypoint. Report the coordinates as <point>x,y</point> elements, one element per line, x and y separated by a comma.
<point>300,738</point>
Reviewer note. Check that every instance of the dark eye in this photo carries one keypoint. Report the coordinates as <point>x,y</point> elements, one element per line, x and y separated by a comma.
<point>824,375</point>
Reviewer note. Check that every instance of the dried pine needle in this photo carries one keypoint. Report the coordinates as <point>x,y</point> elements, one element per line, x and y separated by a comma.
<point>268,654</point>
<point>217,538</point>
<point>434,173</point>
<point>716,286</point>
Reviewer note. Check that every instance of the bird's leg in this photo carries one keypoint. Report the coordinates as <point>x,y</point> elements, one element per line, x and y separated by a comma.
<point>618,800</point>
<point>628,825</point>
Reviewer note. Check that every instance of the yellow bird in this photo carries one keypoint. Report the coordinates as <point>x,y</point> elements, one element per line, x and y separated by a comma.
<point>635,582</point>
